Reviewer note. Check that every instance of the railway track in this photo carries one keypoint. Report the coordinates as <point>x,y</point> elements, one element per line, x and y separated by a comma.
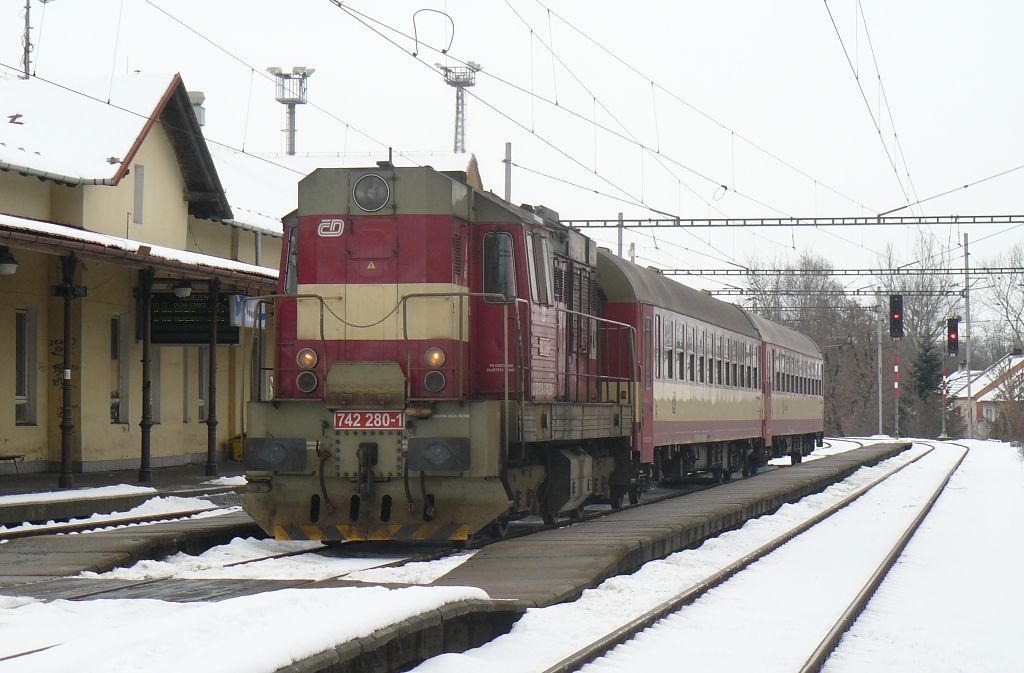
<point>89,526</point>
<point>629,631</point>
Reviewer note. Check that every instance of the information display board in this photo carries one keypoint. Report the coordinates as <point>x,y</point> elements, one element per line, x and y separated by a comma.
<point>185,321</point>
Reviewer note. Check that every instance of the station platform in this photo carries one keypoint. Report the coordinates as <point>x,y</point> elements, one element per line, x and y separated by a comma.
<point>35,498</point>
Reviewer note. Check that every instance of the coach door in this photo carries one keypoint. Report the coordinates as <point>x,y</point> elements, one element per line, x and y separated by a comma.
<point>495,344</point>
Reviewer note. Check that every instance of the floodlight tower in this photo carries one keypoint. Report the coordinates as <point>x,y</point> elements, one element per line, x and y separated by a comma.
<point>460,78</point>
<point>291,91</point>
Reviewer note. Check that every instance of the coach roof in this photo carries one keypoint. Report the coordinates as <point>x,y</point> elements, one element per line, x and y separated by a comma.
<point>624,281</point>
<point>775,333</point>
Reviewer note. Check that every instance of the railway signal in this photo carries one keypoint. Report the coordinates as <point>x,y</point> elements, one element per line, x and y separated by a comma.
<point>953,336</point>
<point>896,316</point>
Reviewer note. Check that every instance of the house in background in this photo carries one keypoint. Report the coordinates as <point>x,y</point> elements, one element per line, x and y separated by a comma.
<point>997,396</point>
<point>107,211</point>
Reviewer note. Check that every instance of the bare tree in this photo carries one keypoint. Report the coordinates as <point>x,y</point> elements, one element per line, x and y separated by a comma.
<point>808,300</point>
<point>924,309</point>
<point>1005,298</point>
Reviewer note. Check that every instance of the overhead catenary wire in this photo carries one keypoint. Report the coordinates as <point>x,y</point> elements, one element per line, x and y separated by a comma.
<point>601,46</point>
<point>366,20</point>
<point>867,104</point>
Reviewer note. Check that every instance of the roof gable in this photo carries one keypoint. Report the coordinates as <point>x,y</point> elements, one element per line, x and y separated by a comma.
<point>57,133</point>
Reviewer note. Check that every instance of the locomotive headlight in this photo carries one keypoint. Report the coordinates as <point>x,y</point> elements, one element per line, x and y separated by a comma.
<point>306,382</point>
<point>434,358</point>
<point>434,382</point>
<point>306,358</point>
<point>371,192</point>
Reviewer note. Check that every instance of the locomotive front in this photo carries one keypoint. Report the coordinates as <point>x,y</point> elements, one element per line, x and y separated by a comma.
<point>374,431</point>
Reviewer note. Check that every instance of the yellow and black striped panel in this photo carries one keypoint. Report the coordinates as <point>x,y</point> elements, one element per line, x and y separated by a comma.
<point>403,532</point>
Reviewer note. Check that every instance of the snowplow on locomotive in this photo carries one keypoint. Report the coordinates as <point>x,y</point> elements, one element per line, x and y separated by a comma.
<point>446,361</point>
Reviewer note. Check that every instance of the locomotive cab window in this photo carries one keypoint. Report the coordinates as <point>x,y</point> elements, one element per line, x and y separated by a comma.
<point>499,267</point>
<point>540,262</point>
<point>292,261</point>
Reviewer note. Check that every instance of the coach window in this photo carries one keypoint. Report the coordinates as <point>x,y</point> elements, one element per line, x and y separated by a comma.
<point>499,267</point>
<point>669,359</point>
<point>292,264</point>
<point>657,346</point>
<point>648,351</point>
<point>681,350</point>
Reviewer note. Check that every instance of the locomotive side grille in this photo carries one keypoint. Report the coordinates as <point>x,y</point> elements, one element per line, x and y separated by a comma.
<point>457,254</point>
<point>560,264</point>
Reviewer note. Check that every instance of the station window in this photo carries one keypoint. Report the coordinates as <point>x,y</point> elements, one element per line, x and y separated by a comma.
<point>139,173</point>
<point>499,267</point>
<point>120,340</point>
<point>690,374</point>
<point>700,369</point>
<point>25,370</point>
<point>204,380</point>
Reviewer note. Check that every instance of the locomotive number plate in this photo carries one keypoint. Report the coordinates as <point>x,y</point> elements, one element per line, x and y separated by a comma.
<point>369,420</point>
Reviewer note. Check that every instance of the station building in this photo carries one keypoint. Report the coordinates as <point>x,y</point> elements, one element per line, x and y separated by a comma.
<point>110,211</point>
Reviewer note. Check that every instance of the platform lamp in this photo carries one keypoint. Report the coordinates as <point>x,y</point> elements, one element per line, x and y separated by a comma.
<point>183,289</point>
<point>8,265</point>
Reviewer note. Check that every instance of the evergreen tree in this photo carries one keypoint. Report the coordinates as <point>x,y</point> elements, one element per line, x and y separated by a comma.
<point>926,370</point>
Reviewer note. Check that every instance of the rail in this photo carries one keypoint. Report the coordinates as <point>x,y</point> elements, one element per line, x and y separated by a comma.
<point>628,631</point>
<point>821,653</point>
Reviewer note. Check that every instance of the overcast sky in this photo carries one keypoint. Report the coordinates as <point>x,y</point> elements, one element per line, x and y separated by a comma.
<point>774,74</point>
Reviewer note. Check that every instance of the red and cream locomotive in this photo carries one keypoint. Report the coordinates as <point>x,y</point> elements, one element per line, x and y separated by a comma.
<point>446,362</point>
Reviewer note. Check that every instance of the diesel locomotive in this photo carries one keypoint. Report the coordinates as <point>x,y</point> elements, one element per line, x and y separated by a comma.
<point>446,362</point>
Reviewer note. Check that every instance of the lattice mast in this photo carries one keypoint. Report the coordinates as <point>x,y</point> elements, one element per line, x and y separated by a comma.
<point>460,78</point>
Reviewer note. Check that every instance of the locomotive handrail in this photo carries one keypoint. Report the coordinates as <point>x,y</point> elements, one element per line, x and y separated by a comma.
<point>607,324</point>
<point>261,301</point>
<point>504,301</point>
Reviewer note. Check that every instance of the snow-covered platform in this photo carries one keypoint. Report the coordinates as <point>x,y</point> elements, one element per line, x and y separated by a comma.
<point>32,559</point>
<point>558,565</point>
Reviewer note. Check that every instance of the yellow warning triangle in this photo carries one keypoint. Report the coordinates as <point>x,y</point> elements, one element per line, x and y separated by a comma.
<point>371,266</point>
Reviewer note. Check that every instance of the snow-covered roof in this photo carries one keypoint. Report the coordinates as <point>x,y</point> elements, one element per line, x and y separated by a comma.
<point>11,227</point>
<point>985,385</point>
<point>72,135</point>
<point>1001,373</point>
<point>263,188</point>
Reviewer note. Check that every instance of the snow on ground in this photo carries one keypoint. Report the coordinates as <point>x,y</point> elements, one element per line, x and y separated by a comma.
<point>240,559</point>
<point>955,599</point>
<point>250,634</point>
<point>152,507</point>
<point>75,494</point>
<point>795,594</point>
<point>216,563</point>
<point>226,481</point>
<point>544,636</point>
<point>419,572</point>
